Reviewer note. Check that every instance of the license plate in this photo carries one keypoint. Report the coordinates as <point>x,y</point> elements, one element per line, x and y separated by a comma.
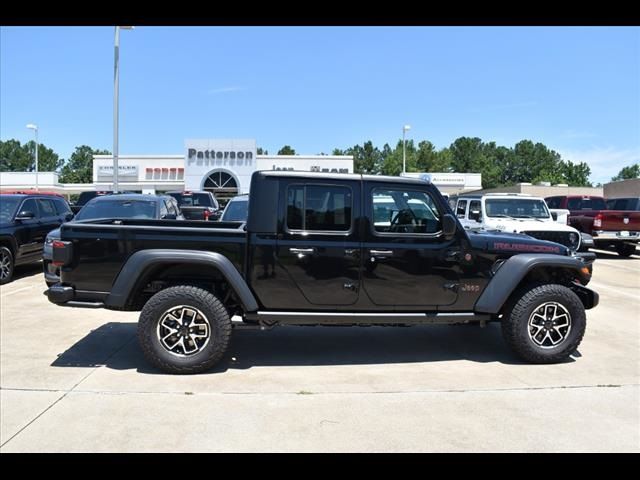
<point>624,233</point>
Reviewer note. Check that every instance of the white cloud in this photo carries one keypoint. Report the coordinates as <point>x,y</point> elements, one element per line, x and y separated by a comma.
<point>215,91</point>
<point>604,162</point>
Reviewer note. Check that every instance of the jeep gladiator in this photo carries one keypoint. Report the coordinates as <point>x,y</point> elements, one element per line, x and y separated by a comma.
<point>322,249</point>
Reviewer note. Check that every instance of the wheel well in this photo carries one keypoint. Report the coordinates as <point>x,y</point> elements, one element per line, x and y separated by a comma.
<point>4,242</point>
<point>541,275</point>
<point>161,276</point>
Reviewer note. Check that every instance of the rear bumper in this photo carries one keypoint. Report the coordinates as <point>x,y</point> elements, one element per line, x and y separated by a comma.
<point>60,294</point>
<point>615,236</point>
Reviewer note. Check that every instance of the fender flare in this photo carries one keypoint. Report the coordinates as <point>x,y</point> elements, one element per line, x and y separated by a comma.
<point>139,263</point>
<point>511,273</point>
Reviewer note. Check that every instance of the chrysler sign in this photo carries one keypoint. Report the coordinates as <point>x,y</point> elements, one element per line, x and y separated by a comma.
<point>126,171</point>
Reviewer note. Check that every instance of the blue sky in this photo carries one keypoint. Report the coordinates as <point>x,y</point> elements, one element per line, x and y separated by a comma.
<point>576,89</point>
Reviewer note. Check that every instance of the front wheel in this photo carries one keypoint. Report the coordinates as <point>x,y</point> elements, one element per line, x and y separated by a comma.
<point>184,329</point>
<point>6,265</point>
<point>626,249</point>
<point>545,323</point>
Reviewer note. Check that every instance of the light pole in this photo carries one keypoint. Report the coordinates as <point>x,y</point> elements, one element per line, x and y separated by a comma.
<point>404,148</point>
<point>34,127</point>
<point>116,78</point>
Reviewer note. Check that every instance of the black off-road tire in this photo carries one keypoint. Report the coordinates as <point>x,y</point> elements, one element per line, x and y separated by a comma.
<point>515,323</point>
<point>209,305</point>
<point>9,263</point>
<point>626,249</point>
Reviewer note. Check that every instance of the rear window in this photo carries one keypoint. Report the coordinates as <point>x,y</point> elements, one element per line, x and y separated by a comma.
<point>193,200</point>
<point>236,211</point>
<point>117,209</point>
<point>623,204</point>
<point>588,203</point>
<point>319,208</point>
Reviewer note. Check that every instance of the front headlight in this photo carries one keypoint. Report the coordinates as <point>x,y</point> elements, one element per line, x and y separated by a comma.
<point>574,240</point>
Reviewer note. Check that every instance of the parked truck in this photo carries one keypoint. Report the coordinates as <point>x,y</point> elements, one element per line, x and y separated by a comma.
<point>322,249</point>
<point>618,229</point>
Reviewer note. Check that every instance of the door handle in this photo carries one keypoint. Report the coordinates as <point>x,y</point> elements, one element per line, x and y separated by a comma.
<point>351,252</point>
<point>302,251</point>
<point>381,253</point>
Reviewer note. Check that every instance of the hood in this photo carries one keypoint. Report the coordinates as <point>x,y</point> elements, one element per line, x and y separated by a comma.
<point>512,243</point>
<point>526,224</point>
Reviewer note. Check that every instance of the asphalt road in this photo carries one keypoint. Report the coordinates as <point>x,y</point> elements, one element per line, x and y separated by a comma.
<point>74,380</point>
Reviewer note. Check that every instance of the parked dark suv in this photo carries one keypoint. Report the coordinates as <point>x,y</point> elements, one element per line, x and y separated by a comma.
<point>197,205</point>
<point>25,221</point>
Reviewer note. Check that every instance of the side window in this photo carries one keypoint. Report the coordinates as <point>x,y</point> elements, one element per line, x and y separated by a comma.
<point>574,204</point>
<point>46,208</point>
<point>61,207</point>
<point>30,206</point>
<point>404,211</point>
<point>553,202</point>
<point>171,207</point>
<point>461,209</point>
<point>163,209</point>
<point>475,206</point>
<point>319,208</point>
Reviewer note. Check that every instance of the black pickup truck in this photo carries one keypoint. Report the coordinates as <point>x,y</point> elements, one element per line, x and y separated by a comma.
<point>323,249</point>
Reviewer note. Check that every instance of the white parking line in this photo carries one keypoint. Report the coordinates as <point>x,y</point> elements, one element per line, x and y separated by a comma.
<point>598,286</point>
<point>16,291</point>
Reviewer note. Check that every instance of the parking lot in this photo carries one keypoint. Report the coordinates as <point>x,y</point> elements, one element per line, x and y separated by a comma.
<point>74,380</point>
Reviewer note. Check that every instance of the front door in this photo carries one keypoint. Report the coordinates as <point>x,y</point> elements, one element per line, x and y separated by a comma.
<point>319,248</point>
<point>30,230</point>
<point>408,264</point>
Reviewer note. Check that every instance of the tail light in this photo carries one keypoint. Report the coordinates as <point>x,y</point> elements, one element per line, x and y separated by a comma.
<point>597,221</point>
<point>206,214</point>
<point>62,253</point>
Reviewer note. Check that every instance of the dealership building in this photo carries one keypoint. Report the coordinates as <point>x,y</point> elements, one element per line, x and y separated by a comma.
<point>223,167</point>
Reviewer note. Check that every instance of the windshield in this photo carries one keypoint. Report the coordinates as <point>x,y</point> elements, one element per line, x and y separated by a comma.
<point>117,209</point>
<point>193,200</point>
<point>516,208</point>
<point>236,211</point>
<point>8,207</point>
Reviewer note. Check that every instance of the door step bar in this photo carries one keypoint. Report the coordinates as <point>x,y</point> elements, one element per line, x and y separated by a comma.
<point>335,318</point>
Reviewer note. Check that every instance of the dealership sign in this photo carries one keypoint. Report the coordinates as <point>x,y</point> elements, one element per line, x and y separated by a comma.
<point>231,154</point>
<point>127,171</point>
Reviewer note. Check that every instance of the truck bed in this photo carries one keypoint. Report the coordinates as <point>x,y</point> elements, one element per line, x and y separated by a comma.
<point>101,247</point>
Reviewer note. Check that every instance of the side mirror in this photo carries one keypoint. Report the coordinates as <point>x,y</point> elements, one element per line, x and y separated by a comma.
<point>25,215</point>
<point>554,215</point>
<point>68,217</point>
<point>475,215</point>
<point>170,216</point>
<point>449,225</point>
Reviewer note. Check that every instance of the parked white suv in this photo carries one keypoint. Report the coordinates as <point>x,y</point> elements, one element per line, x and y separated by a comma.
<point>514,212</point>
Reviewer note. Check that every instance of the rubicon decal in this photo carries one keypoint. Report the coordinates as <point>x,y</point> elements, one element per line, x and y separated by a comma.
<point>523,247</point>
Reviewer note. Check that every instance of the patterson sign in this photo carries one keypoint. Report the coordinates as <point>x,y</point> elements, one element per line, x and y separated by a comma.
<point>220,153</point>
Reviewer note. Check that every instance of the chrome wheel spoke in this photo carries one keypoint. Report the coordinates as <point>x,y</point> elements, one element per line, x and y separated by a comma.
<point>549,325</point>
<point>183,331</point>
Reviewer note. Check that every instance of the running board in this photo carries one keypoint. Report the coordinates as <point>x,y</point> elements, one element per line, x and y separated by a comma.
<point>333,318</point>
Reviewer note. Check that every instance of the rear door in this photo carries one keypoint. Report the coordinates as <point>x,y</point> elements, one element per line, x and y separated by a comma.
<point>318,249</point>
<point>50,219</point>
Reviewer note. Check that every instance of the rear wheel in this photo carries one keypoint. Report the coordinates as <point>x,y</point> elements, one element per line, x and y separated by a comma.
<point>626,249</point>
<point>545,323</point>
<point>6,265</point>
<point>184,329</point>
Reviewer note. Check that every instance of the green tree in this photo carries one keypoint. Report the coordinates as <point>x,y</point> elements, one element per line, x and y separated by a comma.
<point>286,150</point>
<point>79,167</point>
<point>576,174</point>
<point>632,171</point>
<point>428,159</point>
<point>261,151</point>
<point>15,157</point>
<point>366,158</point>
